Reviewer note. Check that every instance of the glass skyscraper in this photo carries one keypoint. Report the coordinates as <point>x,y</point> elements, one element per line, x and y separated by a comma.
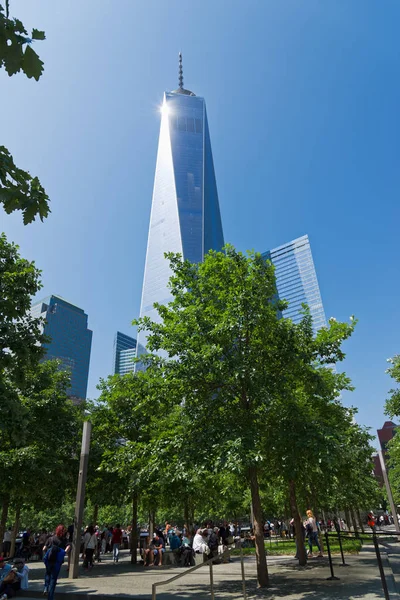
<point>185,215</point>
<point>296,280</point>
<point>124,353</point>
<point>70,340</point>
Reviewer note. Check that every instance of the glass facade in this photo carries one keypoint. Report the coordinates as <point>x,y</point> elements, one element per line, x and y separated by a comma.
<point>71,340</point>
<point>296,280</point>
<point>185,215</point>
<point>124,353</point>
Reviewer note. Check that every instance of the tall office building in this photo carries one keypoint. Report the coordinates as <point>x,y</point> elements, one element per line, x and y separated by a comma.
<point>185,214</point>
<point>67,327</point>
<point>296,280</point>
<point>124,353</point>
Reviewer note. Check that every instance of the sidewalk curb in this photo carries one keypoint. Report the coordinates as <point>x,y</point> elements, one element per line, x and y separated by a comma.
<point>80,596</point>
<point>390,576</point>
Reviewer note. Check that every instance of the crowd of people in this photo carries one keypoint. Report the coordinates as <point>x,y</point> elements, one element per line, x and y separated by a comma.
<point>211,540</point>
<point>54,549</point>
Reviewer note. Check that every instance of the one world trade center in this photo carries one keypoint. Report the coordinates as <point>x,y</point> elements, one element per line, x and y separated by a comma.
<point>185,215</point>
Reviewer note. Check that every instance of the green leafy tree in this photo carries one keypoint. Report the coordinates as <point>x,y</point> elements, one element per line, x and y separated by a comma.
<point>242,374</point>
<point>105,489</point>
<point>20,346</point>
<point>392,409</point>
<point>230,354</point>
<point>20,333</point>
<point>34,400</point>
<point>129,411</point>
<point>39,456</point>
<point>18,189</point>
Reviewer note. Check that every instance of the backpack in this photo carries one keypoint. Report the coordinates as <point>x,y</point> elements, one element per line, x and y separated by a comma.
<point>53,553</point>
<point>213,541</point>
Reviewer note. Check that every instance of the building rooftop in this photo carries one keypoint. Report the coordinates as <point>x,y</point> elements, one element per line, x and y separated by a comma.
<point>47,299</point>
<point>181,89</point>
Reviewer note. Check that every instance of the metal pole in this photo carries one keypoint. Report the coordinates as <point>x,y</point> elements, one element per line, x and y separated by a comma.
<point>332,577</point>
<point>380,565</point>
<point>243,577</point>
<point>341,550</point>
<point>80,500</point>
<point>389,492</point>
<point>153,592</point>
<point>211,581</point>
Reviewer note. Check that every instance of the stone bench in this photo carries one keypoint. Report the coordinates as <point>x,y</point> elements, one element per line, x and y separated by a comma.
<point>172,558</point>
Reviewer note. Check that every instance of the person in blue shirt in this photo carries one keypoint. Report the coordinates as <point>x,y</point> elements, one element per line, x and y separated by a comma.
<point>174,541</point>
<point>53,559</point>
<point>7,588</point>
<point>4,568</point>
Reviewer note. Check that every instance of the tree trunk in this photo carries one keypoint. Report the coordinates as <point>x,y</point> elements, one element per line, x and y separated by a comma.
<point>191,524</point>
<point>152,519</point>
<point>301,550</point>
<point>347,516</point>
<point>261,557</point>
<point>3,520</point>
<point>287,520</point>
<point>360,520</point>
<point>186,515</point>
<point>15,530</point>
<point>354,523</point>
<point>95,514</point>
<point>134,530</point>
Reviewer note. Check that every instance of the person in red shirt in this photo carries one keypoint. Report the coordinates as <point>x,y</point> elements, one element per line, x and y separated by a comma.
<point>116,542</point>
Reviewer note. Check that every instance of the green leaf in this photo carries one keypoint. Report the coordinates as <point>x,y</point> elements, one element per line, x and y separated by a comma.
<point>38,35</point>
<point>31,64</point>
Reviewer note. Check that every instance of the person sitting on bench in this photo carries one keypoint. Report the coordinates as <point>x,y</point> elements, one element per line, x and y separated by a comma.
<point>157,546</point>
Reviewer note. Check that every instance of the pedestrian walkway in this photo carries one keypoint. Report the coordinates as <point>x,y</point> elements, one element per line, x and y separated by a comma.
<point>393,553</point>
<point>360,580</point>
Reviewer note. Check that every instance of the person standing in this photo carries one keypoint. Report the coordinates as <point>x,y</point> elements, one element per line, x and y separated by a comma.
<point>116,542</point>
<point>53,559</point>
<point>89,545</point>
<point>312,533</point>
<point>7,542</point>
<point>371,521</point>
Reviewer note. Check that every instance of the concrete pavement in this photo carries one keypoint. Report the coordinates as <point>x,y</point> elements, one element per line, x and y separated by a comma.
<point>105,581</point>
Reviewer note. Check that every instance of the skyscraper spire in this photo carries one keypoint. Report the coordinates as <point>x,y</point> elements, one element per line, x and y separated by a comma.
<point>180,72</point>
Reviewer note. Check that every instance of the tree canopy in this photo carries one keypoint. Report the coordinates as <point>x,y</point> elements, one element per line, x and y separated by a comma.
<point>257,392</point>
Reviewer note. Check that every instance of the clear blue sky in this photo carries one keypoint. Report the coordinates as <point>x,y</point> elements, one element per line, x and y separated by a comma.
<point>303,104</point>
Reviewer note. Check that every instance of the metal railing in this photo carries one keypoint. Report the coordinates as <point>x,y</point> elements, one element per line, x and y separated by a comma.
<point>192,569</point>
<point>375,539</point>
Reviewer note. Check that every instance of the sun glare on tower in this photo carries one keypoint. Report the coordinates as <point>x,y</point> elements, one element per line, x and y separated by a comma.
<point>164,110</point>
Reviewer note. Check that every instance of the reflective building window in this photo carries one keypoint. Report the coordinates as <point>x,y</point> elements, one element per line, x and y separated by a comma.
<point>296,280</point>
<point>185,215</point>
<point>70,340</point>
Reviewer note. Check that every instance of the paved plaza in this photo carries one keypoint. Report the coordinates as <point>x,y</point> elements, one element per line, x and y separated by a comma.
<point>359,580</point>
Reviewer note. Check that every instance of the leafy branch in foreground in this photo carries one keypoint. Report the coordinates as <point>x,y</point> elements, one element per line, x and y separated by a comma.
<point>18,189</point>
<point>16,53</point>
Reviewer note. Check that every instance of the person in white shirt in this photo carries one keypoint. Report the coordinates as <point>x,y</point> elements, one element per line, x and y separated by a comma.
<point>200,545</point>
<point>312,533</point>
<point>89,545</point>
<point>7,542</point>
